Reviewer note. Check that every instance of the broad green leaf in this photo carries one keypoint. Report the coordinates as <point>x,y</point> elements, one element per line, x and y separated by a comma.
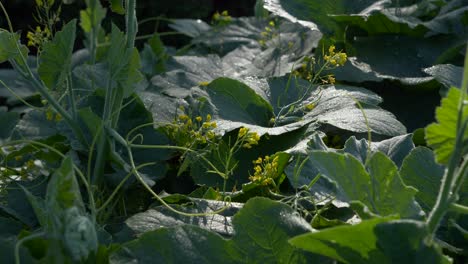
<point>261,230</point>
<point>318,12</point>
<point>55,59</point>
<point>9,45</point>
<point>35,125</point>
<point>13,80</point>
<point>161,217</point>
<point>374,241</point>
<point>336,106</point>
<point>379,188</point>
<point>441,135</point>
<point>447,74</point>
<point>117,6</point>
<point>92,16</point>
<point>9,121</point>
<point>17,204</point>
<point>176,245</point>
<point>378,58</point>
<point>396,148</point>
<point>190,27</point>
<point>238,102</point>
<point>420,171</point>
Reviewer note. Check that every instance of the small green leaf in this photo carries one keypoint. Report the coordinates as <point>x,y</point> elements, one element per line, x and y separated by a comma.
<point>441,136</point>
<point>55,59</point>
<point>123,63</point>
<point>374,241</point>
<point>420,170</point>
<point>92,16</point>
<point>63,191</point>
<point>117,6</point>
<point>8,48</point>
<point>379,188</point>
<point>79,235</point>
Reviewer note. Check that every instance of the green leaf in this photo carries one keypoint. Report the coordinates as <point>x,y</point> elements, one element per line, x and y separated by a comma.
<point>154,56</point>
<point>396,148</point>
<point>379,188</point>
<point>420,170</point>
<point>17,204</point>
<point>9,230</point>
<point>447,74</point>
<point>79,235</point>
<point>190,27</point>
<point>238,102</point>
<point>92,16</point>
<point>117,6</point>
<point>318,12</point>
<point>261,230</point>
<point>55,59</point>
<point>161,217</point>
<point>336,106</point>
<point>123,63</point>
<point>9,121</point>
<point>176,245</point>
<point>8,47</point>
<point>441,136</point>
<point>374,241</point>
<point>63,191</point>
<point>378,58</point>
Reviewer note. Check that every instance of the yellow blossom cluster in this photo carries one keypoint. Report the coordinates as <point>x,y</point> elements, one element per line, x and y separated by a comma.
<point>38,37</point>
<point>188,132</point>
<point>247,138</point>
<point>269,33</point>
<point>221,19</point>
<point>265,170</point>
<point>335,58</point>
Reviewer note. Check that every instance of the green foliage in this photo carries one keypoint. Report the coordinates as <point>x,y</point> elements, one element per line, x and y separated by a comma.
<point>55,59</point>
<point>379,240</point>
<point>441,136</point>
<point>265,139</point>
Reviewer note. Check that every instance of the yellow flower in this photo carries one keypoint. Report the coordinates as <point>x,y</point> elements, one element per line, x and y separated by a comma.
<point>49,115</point>
<point>198,118</point>
<point>203,83</point>
<point>258,161</point>
<point>331,50</point>
<point>183,117</point>
<point>208,118</point>
<point>342,58</point>
<point>310,106</point>
<point>331,79</point>
<point>272,23</point>
<point>242,131</point>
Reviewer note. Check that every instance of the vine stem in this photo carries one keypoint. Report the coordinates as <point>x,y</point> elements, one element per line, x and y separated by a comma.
<point>128,145</point>
<point>448,190</point>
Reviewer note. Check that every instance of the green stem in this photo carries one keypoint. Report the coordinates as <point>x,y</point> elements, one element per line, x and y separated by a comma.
<point>131,23</point>
<point>462,209</point>
<point>135,171</point>
<point>71,96</point>
<point>448,189</point>
<point>21,241</point>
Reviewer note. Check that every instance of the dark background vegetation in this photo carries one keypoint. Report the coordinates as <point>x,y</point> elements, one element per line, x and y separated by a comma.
<point>21,13</point>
